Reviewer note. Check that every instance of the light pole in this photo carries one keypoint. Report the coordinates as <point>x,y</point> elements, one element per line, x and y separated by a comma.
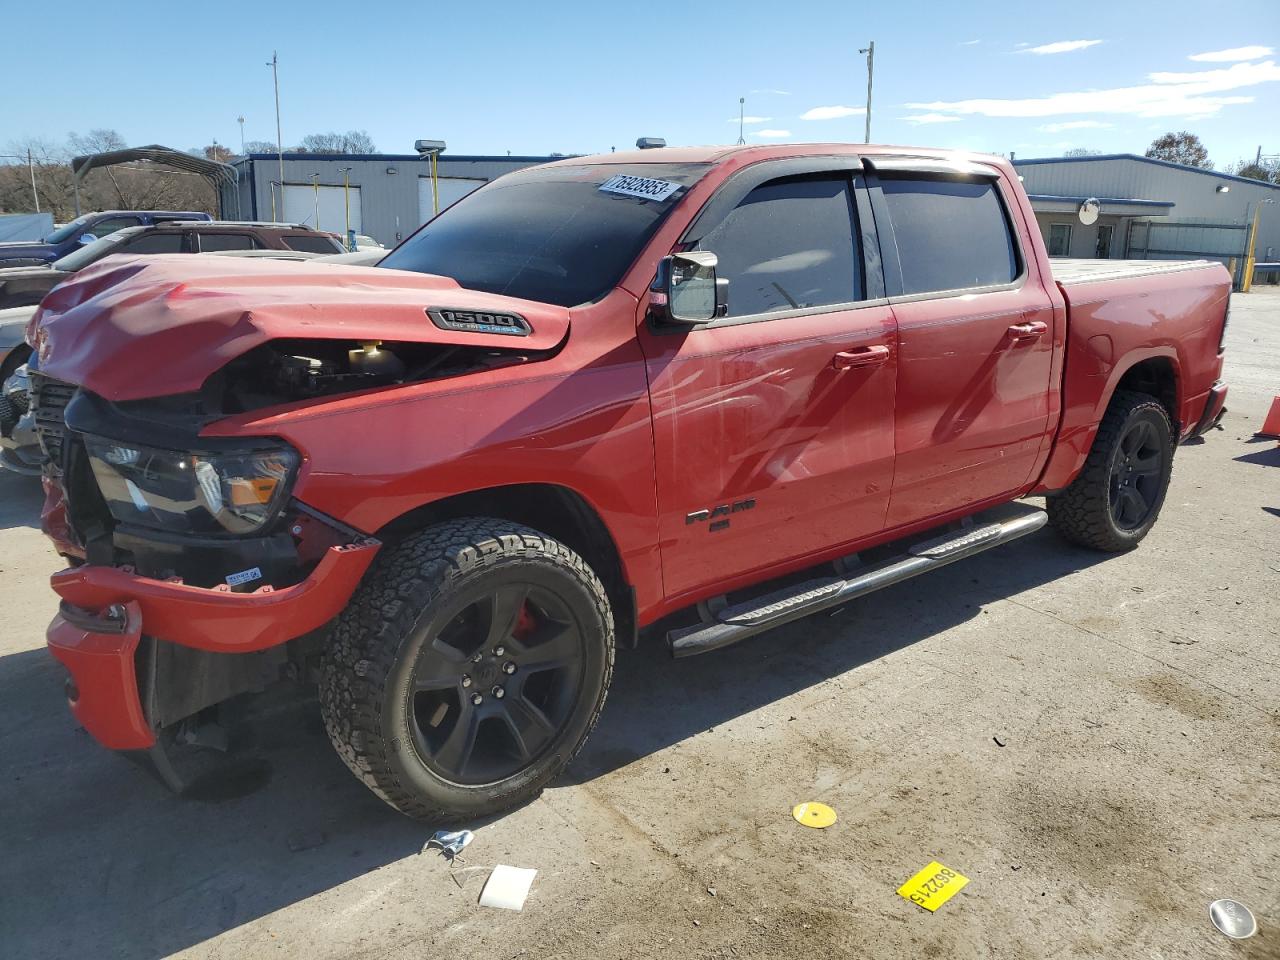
<point>31,168</point>
<point>741,107</point>
<point>275,76</point>
<point>315,185</point>
<point>273,184</point>
<point>346,202</point>
<point>870,51</point>
<point>431,149</point>
<point>240,120</point>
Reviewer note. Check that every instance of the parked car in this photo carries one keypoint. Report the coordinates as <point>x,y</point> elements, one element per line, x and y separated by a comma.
<point>364,242</point>
<point>21,286</point>
<point>85,230</point>
<point>590,396</point>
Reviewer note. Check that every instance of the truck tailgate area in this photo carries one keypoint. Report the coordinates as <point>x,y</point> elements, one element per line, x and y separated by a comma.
<point>1068,272</point>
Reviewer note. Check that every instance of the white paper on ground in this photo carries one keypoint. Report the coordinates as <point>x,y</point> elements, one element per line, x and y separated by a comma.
<point>507,887</point>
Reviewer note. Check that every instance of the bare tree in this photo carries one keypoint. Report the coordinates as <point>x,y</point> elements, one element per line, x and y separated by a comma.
<point>1081,152</point>
<point>260,146</point>
<point>1181,147</point>
<point>353,141</point>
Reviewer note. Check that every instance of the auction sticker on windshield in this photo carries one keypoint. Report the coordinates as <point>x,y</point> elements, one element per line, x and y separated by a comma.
<point>642,187</point>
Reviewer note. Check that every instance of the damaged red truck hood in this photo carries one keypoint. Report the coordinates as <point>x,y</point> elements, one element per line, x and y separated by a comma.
<point>130,329</point>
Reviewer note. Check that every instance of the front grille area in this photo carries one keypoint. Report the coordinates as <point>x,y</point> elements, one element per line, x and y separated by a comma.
<point>49,398</point>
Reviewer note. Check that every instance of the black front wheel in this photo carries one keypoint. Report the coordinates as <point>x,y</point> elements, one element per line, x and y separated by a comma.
<point>468,669</point>
<point>1114,501</point>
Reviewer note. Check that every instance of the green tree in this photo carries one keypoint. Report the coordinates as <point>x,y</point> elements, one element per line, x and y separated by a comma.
<point>1180,147</point>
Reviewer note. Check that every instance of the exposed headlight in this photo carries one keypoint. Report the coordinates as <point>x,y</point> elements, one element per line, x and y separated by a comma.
<point>236,492</point>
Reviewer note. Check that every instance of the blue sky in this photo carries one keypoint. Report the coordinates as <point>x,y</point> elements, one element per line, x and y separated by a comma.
<point>535,77</point>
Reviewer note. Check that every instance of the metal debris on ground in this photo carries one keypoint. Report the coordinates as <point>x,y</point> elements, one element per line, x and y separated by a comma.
<point>450,843</point>
<point>999,742</point>
<point>932,886</point>
<point>813,814</point>
<point>507,887</point>
<point>1233,919</point>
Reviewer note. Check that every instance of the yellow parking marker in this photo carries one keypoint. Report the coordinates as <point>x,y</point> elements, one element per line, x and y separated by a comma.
<point>814,814</point>
<point>933,886</point>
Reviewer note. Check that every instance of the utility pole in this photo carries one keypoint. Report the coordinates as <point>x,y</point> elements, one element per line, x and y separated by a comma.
<point>31,168</point>
<point>240,120</point>
<point>315,184</point>
<point>870,51</point>
<point>741,107</point>
<point>346,201</point>
<point>275,76</point>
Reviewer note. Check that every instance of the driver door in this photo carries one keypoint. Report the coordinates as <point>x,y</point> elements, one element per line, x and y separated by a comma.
<point>773,426</point>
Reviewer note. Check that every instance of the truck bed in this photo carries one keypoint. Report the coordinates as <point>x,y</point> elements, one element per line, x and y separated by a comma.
<point>1069,271</point>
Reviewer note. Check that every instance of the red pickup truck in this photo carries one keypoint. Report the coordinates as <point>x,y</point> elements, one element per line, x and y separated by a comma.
<point>721,387</point>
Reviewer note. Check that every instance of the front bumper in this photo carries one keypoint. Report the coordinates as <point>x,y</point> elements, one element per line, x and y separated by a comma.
<point>107,610</point>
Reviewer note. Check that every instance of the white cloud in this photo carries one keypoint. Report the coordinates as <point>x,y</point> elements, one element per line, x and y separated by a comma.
<point>1165,95</point>
<point>1075,125</point>
<point>832,113</point>
<point>779,93</point>
<point>1061,46</point>
<point>771,134</point>
<point>969,43</point>
<point>751,119</point>
<point>923,118</point>
<point>1235,53</point>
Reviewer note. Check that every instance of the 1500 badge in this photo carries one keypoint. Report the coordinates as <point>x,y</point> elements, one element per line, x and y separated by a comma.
<point>717,518</point>
<point>476,321</point>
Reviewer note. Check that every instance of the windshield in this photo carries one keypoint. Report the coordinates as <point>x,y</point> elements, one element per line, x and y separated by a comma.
<point>91,252</point>
<point>66,230</point>
<point>562,235</point>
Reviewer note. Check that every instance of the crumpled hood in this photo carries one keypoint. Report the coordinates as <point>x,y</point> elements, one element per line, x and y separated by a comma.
<point>138,327</point>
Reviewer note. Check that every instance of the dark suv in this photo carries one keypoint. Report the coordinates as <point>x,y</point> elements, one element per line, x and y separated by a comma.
<point>82,231</point>
<point>24,286</point>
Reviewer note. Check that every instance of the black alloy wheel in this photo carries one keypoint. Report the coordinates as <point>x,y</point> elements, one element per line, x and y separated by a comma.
<point>1137,475</point>
<point>496,680</point>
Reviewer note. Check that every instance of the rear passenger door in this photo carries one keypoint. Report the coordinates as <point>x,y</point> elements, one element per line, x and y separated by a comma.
<point>975,340</point>
<point>773,426</point>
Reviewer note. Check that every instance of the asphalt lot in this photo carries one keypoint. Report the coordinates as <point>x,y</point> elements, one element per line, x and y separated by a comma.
<point>1136,698</point>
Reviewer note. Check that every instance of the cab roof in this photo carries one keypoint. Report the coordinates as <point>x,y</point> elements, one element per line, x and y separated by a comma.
<point>750,152</point>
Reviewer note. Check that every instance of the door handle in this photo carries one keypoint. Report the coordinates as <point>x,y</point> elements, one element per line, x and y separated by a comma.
<point>1031,330</point>
<point>860,357</point>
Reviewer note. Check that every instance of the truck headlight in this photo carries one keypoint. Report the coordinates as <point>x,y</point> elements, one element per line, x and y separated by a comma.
<point>236,492</point>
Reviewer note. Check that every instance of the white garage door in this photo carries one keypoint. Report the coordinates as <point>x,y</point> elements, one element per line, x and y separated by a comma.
<point>300,207</point>
<point>452,189</point>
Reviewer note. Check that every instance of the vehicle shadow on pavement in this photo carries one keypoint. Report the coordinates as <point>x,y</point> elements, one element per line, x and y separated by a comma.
<point>99,860</point>
<point>656,702</point>
<point>20,501</point>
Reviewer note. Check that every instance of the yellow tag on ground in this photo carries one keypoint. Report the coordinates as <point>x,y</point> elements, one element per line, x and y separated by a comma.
<point>814,814</point>
<point>933,886</point>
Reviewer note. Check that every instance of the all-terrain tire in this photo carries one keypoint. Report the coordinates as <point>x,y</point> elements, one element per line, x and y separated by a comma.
<point>1083,512</point>
<point>367,672</point>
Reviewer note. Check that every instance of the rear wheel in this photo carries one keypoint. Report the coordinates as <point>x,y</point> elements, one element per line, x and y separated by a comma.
<point>1115,500</point>
<point>468,669</point>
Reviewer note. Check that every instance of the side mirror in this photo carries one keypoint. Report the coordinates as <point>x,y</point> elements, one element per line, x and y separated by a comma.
<point>687,290</point>
<point>87,238</point>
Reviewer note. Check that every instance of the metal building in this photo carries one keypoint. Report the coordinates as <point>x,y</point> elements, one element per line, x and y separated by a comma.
<point>389,195</point>
<point>1151,210</point>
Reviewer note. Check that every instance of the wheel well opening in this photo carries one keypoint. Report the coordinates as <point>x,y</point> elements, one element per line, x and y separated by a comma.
<point>556,511</point>
<point>1155,377</point>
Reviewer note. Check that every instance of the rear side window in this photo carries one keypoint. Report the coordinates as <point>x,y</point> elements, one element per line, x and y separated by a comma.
<point>211,242</point>
<point>951,234</point>
<point>313,244</point>
<point>789,245</point>
<point>154,243</point>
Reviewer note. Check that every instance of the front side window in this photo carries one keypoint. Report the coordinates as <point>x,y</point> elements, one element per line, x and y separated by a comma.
<point>788,246</point>
<point>951,234</point>
<point>562,234</point>
<point>320,243</point>
<point>112,224</point>
<point>1059,239</point>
